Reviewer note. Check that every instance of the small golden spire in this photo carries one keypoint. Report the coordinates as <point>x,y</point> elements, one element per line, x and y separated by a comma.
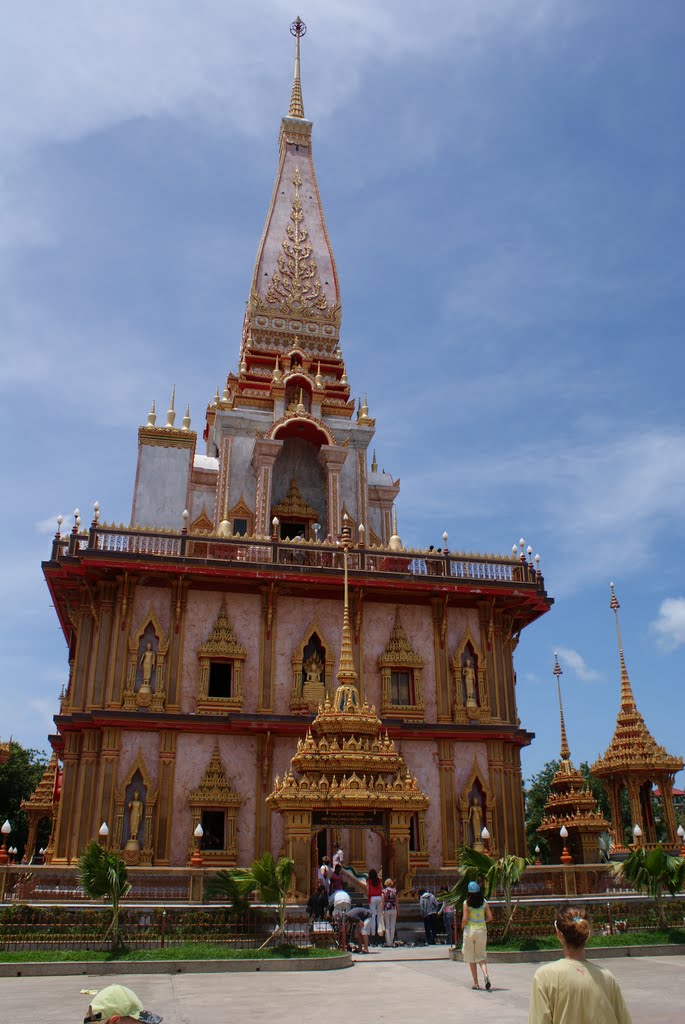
<point>297,29</point>
<point>557,671</point>
<point>152,415</point>
<point>277,372</point>
<point>226,397</point>
<point>374,464</point>
<point>627,696</point>
<point>346,673</point>
<point>318,380</point>
<point>217,399</point>
<point>300,405</point>
<point>186,419</point>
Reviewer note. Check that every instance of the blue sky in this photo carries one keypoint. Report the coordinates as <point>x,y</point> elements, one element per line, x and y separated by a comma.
<point>502,184</point>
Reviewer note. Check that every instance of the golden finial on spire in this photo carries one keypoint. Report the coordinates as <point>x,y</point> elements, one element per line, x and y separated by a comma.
<point>346,673</point>
<point>557,671</point>
<point>152,415</point>
<point>627,697</point>
<point>297,29</point>
<point>374,463</point>
<point>300,405</point>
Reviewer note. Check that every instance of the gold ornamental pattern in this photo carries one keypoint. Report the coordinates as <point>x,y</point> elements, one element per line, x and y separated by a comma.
<point>296,286</point>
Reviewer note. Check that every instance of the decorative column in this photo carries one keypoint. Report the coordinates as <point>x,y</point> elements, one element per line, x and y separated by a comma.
<point>448,808</point>
<point>165,799</point>
<point>67,804</point>
<point>399,844</point>
<point>109,760</point>
<point>297,839</point>
<point>90,756</point>
<point>332,459</point>
<point>222,503</point>
<point>666,787</point>
<point>263,457</point>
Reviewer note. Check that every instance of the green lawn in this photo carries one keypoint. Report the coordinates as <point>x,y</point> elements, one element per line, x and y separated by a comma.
<point>515,944</point>
<point>189,951</point>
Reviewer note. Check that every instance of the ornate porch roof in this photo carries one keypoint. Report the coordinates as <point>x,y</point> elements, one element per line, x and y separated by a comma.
<point>633,749</point>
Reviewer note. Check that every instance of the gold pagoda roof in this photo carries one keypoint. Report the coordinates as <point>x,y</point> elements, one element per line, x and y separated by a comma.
<point>42,797</point>
<point>632,748</point>
<point>570,803</point>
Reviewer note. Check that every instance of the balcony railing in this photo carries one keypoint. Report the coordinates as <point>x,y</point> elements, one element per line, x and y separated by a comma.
<point>297,555</point>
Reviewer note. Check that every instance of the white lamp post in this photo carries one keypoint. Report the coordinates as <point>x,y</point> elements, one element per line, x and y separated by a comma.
<point>4,852</point>
<point>196,859</point>
<point>681,835</point>
<point>566,857</point>
<point>103,832</point>
<point>485,836</point>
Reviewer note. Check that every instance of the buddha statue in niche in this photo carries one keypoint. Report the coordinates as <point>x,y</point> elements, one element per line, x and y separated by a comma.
<point>314,687</point>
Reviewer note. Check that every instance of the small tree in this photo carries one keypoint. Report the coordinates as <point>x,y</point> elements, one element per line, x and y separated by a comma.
<point>225,886</point>
<point>272,881</point>
<point>103,877</point>
<point>18,779</point>
<point>652,871</point>
<point>504,874</point>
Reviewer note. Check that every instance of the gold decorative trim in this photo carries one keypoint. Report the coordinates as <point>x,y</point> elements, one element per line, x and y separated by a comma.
<point>463,710</point>
<point>167,437</point>
<point>144,855</point>
<point>221,645</point>
<point>146,697</point>
<point>216,792</point>
<point>399,654</point>
<point>301,701</point>
<point>293,506</point>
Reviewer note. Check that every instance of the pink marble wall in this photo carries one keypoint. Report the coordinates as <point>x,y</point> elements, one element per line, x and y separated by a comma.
<point>147,598</point>
<point>417,622</point>
<point>422,759</point>
<point>292,621</point>
<point>283,750</point>
<point>464,754</point>
<point>193,753</point>
<point>147,743</point>
<point>244,614</point>
<point>459,621</point>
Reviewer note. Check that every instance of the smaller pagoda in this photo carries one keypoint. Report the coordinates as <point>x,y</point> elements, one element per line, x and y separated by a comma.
<point>636,763</point>
<point>571,805</point>
<point>347,774</point>
<point>42,805</point>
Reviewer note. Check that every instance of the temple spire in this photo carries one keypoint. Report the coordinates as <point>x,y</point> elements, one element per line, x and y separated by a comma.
<point>565,751</point>
<point>298,29</point>
<point>627,697</point>
<point>347,674</point>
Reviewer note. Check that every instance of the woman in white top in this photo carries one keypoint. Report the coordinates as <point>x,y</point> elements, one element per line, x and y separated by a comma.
<point>573,991</point>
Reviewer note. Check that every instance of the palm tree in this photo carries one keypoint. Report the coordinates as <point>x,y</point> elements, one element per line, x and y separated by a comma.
<point>225,886</point>
<point>652,871</point>
<point>272,881</point>
<point>504,874</point>
<point>103,877</point>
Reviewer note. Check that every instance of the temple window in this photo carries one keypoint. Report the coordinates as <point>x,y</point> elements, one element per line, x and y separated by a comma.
<point>220,678</point>
<point>400,667</point>
<point>221,659</point>
<point>214,805</point>
<point>239,526</point>
<point>402,686</point>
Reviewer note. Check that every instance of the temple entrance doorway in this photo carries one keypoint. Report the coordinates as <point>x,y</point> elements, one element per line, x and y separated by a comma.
<point>363,848</point>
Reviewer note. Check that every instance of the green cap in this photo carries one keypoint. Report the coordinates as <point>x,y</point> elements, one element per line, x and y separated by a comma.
<point>119,1001</point>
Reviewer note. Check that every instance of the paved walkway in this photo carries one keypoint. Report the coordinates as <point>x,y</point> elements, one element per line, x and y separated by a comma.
<point>399,991</point>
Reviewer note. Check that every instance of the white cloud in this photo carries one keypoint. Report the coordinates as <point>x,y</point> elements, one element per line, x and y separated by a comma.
<point>670,625</point>
<point>573,659</point>
<point>47,525</point>
<point>77,67</point>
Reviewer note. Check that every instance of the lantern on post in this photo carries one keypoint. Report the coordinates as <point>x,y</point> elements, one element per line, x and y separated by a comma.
<point>566,857</point>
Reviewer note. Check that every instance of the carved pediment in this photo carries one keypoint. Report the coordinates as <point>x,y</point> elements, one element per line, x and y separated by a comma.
<point>293,506</point>
<point>215,789</point>
<point>398,651</point>
<point>222,641</point>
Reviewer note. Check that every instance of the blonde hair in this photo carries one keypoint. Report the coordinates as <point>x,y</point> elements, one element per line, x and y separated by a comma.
<point>387,882</point>
<point>573,925</point>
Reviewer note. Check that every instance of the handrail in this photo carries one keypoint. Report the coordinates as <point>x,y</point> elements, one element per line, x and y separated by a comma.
<point>298,555</point>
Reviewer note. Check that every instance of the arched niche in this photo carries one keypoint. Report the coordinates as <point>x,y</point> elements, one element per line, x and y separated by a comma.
<point>469,681</point>
<point>147,650</point>
<point>313,664</point>
<point>476,809</point>
<point>214,805</point>
<point>136,780</point>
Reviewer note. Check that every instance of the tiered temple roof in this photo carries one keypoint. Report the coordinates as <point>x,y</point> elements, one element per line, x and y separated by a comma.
<point>633,749</point>
<point>571,803</point>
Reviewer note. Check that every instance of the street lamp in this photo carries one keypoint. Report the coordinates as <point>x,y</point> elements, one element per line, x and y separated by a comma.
<point>538,862</point>
<point>681,835</point>
<point>485,836</point>
<point>196,859</point>
<point>5,830</point>
<point>103,832</point>
<point>637,836</point>
<point>566,857</point>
